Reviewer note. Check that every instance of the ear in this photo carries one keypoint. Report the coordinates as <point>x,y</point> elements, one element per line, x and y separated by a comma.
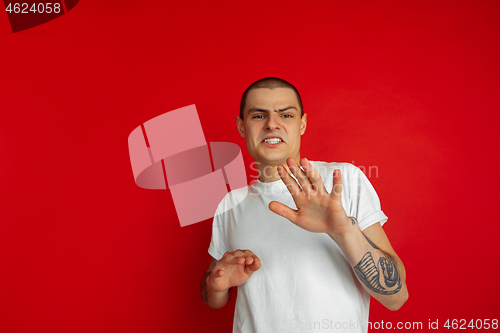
<point>239,125</point>
<point>303,124</point>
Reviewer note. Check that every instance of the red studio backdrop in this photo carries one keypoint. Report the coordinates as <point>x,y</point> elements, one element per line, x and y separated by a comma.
<point>406,90</point>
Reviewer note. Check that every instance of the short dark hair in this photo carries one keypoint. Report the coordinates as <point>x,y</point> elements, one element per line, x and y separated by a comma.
<point>270,83</point>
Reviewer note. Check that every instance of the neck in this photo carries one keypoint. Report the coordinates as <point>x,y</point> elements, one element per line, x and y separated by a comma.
<point>269,172</point>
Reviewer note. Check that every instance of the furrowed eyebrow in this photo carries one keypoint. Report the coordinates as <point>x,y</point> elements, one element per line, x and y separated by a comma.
<point>256,109</point>
<point>287,108</point>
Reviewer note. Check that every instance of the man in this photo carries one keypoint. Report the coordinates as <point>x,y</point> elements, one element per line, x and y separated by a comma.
<point>304,243</point>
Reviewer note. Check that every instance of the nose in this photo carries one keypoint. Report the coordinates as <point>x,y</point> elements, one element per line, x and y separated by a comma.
<point>273,122</point>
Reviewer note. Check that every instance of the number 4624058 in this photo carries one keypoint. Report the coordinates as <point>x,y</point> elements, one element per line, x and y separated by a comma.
<point>41,7</point>
<point>462,324</point>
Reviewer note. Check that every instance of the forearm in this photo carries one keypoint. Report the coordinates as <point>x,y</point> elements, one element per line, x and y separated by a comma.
<point>213,299</point>
<point>381,274</point>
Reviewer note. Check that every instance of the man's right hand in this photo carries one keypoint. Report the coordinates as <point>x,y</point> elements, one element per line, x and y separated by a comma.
<point>232,270</point>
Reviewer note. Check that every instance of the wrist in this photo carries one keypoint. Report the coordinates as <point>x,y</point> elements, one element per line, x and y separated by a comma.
<point>211,289</point>
<point>343,228</point>
<point>349,232</point>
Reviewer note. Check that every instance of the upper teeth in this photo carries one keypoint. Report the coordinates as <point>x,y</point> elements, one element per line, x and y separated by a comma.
<point>272,140</point>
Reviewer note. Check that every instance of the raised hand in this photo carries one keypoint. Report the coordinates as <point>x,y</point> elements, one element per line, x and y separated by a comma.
<point>233,269</point>
<point>317,210</point>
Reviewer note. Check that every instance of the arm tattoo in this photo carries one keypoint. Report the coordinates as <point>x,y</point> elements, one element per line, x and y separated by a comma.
<point>387,283</point>
<point>353,221</point>
<point>203,285</point>
<point>204,291</point>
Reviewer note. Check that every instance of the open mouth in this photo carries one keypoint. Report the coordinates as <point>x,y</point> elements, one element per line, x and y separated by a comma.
<point>272,140</point>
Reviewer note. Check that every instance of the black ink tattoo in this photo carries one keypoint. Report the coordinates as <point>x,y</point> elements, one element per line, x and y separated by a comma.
<point>389,269</point>
<point>203,284</point>
<point>204,291</point>
<point>369,274</point>
<point>353,221</point>
<point>370,242</point>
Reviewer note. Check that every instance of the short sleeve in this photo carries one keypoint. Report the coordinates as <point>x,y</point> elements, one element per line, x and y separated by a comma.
<point>364,203</point>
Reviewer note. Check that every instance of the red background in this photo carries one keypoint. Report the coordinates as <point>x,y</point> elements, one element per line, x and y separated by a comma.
<point>408,87</point>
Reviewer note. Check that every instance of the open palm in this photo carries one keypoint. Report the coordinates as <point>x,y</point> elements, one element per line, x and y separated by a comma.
<point>317,210</point>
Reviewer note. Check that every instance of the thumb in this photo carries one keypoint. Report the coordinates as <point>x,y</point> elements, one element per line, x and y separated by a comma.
<point>254,266</point>
<point>337,185</point>
<point>283,210</point>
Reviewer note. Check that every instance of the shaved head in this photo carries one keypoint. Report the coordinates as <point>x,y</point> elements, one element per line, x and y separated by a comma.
<point>269,83</point>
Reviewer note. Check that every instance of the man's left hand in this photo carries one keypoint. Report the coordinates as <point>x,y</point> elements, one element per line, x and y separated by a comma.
<point>317,210</point>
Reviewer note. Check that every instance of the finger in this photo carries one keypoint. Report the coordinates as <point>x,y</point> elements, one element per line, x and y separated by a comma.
<point>290,183</point>
<point>236,257</point>
<point>337,185</point>
<point>301,176</point>
<point>248,260</point>
<point>239,253</point>
<point>217,272</point>
<point>313,175</point>
<point>242,253</point>
<point>256,264</point>
<point>239,260</point>
<point>283,210</point>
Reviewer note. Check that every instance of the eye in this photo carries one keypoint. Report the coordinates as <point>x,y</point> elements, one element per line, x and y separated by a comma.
<point>287,116</point>
<point>258,116</point>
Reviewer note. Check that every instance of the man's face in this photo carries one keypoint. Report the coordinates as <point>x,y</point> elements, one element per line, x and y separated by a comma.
<point>272,125</point>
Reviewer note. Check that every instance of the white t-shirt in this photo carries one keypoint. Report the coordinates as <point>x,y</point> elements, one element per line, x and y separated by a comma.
<point>305,283</point>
